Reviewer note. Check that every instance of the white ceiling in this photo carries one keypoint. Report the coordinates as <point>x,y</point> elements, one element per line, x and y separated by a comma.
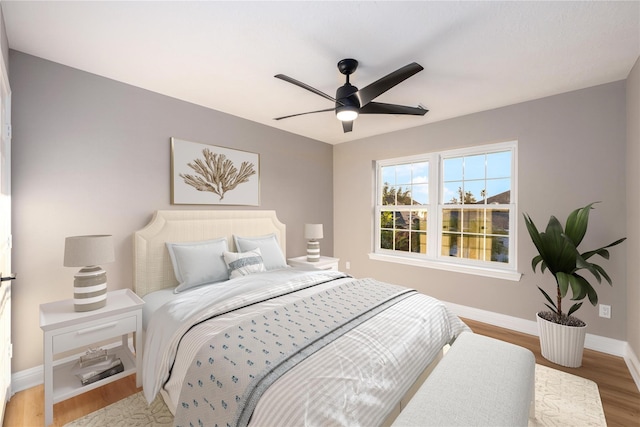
<point>223,55</point>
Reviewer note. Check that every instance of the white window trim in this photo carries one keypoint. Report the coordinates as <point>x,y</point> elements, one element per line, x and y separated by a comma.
<point>437,261</point>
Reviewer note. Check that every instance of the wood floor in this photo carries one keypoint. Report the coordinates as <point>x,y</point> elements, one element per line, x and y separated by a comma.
<point>619,394</point>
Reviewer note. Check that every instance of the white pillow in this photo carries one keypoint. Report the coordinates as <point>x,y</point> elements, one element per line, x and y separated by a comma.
<point>198,263</point>
<point>269,247</point>
<point>243,263</point>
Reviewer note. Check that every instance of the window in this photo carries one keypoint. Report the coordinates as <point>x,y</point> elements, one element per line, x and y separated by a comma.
<point>452,210</point>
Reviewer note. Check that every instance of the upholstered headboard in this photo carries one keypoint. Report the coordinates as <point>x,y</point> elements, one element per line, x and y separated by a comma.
<point>152,265</point>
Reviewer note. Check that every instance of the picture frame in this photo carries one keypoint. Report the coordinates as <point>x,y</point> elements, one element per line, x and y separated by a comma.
<point>203,174</point>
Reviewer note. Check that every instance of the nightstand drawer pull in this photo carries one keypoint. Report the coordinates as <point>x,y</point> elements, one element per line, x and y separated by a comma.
<point>96,328</point>
<point>94,332</point>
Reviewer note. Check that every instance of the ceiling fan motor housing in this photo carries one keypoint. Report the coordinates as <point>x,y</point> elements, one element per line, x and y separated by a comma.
<point>345,96</point>
<point>347,101</point>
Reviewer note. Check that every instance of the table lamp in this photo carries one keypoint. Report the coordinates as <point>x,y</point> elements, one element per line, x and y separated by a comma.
<point>313,232</point>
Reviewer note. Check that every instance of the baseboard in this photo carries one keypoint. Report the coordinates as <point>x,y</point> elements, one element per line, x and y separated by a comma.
<point>592,342</point>
<point>28,378</point>
<point>633,364</point>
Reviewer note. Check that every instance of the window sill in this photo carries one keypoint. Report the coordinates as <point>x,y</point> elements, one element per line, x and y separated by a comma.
<point>448,266</point>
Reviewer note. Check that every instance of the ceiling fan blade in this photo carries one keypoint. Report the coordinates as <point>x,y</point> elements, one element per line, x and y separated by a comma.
<point>375,89</point>
<point>381,108</point>
<point>302,114</point>
<point>304,86</point>
<point>347,126</point>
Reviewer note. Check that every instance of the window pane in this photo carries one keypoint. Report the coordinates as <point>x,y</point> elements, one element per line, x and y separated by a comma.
<point>402,220</point>
<point>452,193</point>
<point>388,195</point>
<point>451,219</point>
<point>402,241</point>
<point>450,245</point>
<point>419,220</point>
<point>498,221</point>
<point>389,175</point>
<point>499,165</point>
<point>420,194</point>
<point>386,219</point>
<point>419,242</point>
<point>403,174</point>
<point>474,167</point>
<point>473,192</point>
<point>403,196</point>
<point>473,247</point>
<point>420,172</point>
<point>473,221</point>
<point>386,239</point>
<point>452,169</point>
<point>499,191</point>
<point>499,249</point>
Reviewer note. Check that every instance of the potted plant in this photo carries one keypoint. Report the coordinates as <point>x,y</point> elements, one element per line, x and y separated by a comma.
<point>561,334</point>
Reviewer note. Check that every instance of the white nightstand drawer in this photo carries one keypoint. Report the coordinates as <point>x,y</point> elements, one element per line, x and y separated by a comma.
<point>93,332</point>
<point>325,263</point>
<point>331,266</point>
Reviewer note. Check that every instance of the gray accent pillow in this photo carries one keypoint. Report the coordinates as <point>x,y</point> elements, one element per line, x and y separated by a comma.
<point>243,263</point>
<point>198,263</point>
<point>272,255</point>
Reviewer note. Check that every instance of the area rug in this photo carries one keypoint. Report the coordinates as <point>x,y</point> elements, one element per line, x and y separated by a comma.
<point>561,400</point>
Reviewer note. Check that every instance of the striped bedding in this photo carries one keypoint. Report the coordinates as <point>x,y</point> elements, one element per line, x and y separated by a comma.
<point>356,380</point>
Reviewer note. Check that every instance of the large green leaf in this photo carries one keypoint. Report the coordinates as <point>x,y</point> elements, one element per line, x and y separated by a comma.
<point>563,280</point>
<point>574,308</point>
<point>553,306</point>
<point>603,273</point>
<point>557,252</point>
<point>577,223</point>
<point>603,252</point>
<point>578,289</point>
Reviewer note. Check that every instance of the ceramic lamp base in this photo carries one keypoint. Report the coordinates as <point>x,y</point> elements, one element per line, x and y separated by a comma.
<point>313,251</point>
<point>90,289</point>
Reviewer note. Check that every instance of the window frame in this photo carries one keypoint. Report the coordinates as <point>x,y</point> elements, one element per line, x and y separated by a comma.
<point>435,206</point>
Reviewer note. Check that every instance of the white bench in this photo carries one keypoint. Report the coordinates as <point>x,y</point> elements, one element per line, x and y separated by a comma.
<point>481,381</point>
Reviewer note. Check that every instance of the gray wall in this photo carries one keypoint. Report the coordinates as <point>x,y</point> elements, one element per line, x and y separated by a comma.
<point>571,152</point>
<point>633,208</point>
<point>92,156</point>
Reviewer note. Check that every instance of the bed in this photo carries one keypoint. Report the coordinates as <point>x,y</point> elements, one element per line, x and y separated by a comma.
<point>273,345</point>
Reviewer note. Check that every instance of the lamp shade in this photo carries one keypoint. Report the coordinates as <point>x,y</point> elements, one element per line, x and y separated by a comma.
<point>81,251</point>
<point>313,231</point>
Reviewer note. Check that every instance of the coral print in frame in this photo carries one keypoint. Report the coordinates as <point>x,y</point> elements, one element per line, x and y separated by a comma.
<point>203,174</point>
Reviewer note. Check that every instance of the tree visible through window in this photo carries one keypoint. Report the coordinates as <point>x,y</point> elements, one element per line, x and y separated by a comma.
<point>468,220</point>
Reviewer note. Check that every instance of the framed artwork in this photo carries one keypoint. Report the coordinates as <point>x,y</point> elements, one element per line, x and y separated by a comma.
<point>203,174</point>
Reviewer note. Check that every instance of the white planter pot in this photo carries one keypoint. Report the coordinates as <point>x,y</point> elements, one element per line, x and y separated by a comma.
<point>561,344</point>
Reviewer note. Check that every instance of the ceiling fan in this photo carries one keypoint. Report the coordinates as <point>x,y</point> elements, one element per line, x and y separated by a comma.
<point>350,102</point>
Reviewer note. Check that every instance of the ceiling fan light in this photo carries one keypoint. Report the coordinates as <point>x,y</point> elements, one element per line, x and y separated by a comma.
<point>347,113</point>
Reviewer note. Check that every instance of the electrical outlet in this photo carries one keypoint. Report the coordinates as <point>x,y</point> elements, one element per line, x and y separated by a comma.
<point>605,311</point>
<point>347,265</point>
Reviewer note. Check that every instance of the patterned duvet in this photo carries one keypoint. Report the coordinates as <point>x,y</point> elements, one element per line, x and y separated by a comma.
<point>356,379</point>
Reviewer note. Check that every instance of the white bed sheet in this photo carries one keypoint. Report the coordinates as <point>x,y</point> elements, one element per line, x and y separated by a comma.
<point>153,301</point>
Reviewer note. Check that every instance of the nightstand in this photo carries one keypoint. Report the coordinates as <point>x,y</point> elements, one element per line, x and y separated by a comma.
<point>65,330</point>
<point>325,263</point>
